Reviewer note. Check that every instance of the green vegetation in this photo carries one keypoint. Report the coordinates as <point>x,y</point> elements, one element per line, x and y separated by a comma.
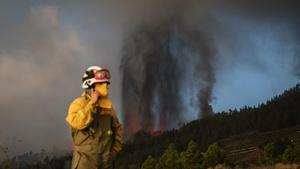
<point>213,156</point>
<point>288,155</point>
<point>191,158</point>
<point>280,112</point>
<point>150,163</point>
<point>169,159</point>
<point>292,153</point>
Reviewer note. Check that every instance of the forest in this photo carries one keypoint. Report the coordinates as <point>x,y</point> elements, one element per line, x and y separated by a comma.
<point>281,111</point>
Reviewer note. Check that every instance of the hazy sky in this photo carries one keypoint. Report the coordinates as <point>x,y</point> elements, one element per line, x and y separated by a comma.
<point>46,45</point>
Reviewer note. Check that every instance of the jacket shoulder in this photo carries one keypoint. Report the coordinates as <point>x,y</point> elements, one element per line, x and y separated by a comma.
<point>79,101</point>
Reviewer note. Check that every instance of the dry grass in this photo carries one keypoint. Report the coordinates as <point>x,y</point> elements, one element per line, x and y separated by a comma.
<point>279,166</point>
<point>276,166</point>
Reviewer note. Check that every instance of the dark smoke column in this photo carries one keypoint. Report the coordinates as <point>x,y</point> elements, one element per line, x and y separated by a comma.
<point>155,61</point>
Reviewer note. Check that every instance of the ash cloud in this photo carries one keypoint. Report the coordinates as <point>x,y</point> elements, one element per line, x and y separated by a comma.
<point>154,64</point>
<point>187,40</point>
<point>37,64</point>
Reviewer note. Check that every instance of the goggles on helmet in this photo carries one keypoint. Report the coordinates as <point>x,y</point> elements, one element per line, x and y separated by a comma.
<point>102,74</point>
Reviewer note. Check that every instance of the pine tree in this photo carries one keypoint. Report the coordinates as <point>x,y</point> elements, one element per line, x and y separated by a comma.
<point>191,158</point>
<point>297,151</point>
<point>268,153</point>
<point>213,156</point>
<point>149,163</point>
<point>169,159</point>
<point>288,155</point>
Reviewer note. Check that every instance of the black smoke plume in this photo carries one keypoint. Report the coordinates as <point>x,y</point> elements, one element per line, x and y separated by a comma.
<point>155,61</point>
<point>182,41</point>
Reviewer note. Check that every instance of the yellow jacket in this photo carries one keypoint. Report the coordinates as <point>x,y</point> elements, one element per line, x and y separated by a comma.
<point>80,116</point>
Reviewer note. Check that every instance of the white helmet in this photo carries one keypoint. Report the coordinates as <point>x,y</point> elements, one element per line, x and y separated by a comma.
<point>94,74</point>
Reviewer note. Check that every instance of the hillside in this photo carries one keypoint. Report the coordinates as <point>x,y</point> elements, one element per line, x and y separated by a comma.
<point>280,112</point>
<point>248,148</point>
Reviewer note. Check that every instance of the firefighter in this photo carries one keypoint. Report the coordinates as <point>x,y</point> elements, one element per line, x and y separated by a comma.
<point>95,127</point>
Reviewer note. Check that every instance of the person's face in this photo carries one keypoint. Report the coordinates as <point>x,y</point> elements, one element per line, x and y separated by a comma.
<point>102,88</point>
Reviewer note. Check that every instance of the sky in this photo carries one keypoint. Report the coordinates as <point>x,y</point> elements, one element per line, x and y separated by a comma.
<point>46,45</point>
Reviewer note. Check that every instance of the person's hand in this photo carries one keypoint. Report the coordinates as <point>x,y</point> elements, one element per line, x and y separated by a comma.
<point>94,96</point>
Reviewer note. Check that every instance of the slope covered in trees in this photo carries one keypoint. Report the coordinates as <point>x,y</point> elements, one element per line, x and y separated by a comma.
<point>282,111</point>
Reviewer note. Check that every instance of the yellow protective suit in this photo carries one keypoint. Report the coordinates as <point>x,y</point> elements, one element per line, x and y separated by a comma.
<point>96,131</point>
